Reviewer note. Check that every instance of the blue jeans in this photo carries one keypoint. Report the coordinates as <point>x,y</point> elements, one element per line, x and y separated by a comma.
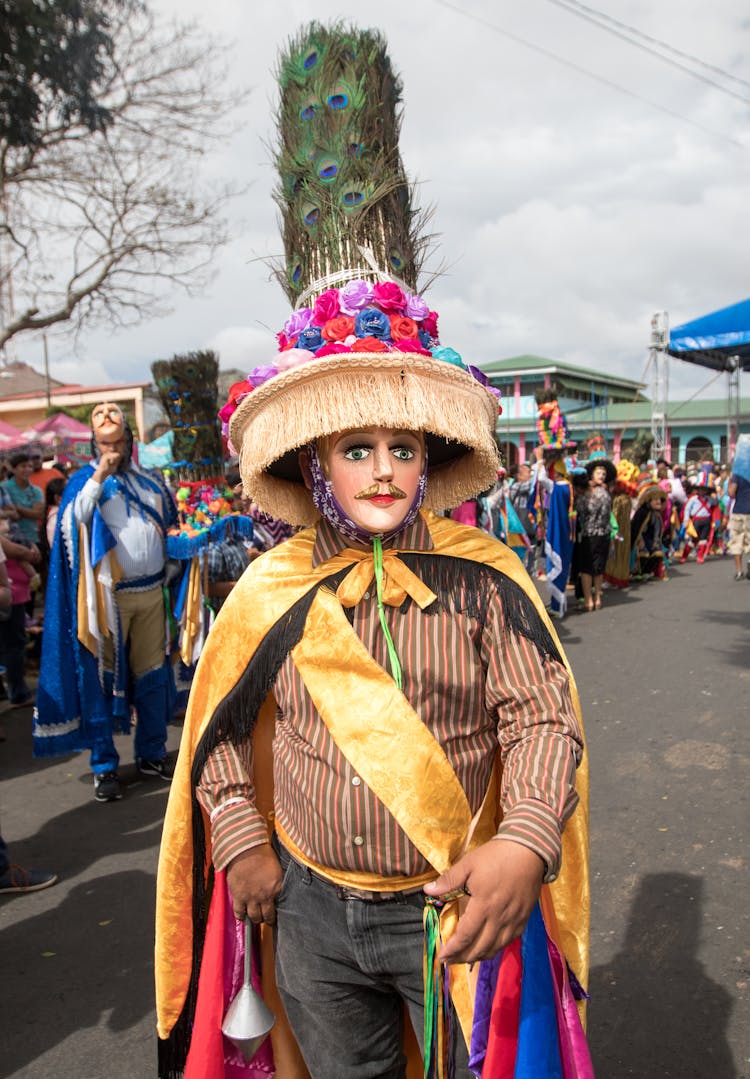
<point>344,969</point>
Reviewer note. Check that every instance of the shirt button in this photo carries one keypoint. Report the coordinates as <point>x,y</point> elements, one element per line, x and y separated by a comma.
<point>356,781</point>
<point>366,595</point>
<point>358,841</point>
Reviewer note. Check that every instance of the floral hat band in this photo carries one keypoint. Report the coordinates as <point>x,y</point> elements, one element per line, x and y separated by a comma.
<point>359,317</point>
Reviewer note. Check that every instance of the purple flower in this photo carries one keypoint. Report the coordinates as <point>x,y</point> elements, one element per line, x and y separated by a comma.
<point>297,322</point>
<point>482,379</point>
<point>354,296</point>
<point>416,308</point>
<point>261,374</point>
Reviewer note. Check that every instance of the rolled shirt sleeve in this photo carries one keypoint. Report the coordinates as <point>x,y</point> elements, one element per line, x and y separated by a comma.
<point>540,740</point>
<point>227,794</point>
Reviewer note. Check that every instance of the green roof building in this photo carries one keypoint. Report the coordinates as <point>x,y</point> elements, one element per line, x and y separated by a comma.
<point>614,406</point>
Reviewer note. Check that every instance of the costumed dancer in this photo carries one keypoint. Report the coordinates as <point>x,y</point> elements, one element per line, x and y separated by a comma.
<point>553,479</point>
<point>701,514</point>
<point>617,570</point>
<point>648,555</point>
<point>594,510</point>
<point>105,592</point>
<point>335,775</point>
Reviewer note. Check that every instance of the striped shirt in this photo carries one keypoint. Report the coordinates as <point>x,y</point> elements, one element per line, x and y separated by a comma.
<point>473,683</point>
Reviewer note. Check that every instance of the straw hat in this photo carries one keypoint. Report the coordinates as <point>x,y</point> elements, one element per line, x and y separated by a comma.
<point>319,395</point>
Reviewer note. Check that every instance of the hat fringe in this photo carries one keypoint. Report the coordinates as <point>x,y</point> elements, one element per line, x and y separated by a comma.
<point>412,393</point>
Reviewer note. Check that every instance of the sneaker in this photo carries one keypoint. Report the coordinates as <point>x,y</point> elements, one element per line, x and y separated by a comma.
<point>739,576</point>
<point>107,787</point>
<point>161,769</point>
<point>18,879</point>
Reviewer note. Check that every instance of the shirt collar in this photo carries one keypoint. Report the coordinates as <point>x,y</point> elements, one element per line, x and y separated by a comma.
<point>329,542</point>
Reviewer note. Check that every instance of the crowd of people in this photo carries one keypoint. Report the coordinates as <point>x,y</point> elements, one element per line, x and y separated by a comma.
<point>619,524</point>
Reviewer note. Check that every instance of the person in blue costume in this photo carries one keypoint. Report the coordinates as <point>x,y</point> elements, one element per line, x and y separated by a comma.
<point>104,645</point>
<point>552,477</point>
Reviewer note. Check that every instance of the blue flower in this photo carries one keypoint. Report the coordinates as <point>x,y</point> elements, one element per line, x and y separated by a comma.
<point>426,339</point>
<point>310,338</point>
<point>372,323</point>
<point>448,355</point>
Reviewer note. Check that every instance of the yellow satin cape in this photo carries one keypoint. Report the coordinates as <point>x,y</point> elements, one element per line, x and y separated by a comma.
<point>434,807</point>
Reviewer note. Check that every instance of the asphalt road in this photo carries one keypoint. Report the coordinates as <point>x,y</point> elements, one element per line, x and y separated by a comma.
<point>664,679</point>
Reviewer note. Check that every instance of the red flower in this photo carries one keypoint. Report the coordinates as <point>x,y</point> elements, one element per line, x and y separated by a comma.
<point>429,324</point>
<point>388,297</point>
<point>326,307</point>
<point>339,328</point>
<point>369,344</point>
<point>402,327</point>
<point>282,340</point>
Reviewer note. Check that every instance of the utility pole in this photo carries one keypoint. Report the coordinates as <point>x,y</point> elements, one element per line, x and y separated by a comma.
<point>660,383</point>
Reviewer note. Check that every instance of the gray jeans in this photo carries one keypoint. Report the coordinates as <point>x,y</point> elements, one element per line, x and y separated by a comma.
<point>345,968</point>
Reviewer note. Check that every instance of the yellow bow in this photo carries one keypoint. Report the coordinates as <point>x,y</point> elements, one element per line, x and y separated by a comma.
<point>398,580</point>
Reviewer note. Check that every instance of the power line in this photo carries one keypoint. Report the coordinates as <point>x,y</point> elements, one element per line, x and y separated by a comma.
<point>585,71</point>
<point>689,399</point>
<point>662,44</point>
<point>599,20</point>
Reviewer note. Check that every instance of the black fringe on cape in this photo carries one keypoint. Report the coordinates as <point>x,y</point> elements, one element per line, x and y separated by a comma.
<point>462,586</point>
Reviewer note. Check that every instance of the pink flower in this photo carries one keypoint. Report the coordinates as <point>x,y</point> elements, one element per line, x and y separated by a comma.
<point>416,308</point>
<point>331,350</point>
<point>354,296</point>
<point>409,344</point>
<point>293,357</point>
<point>326,307</point>
<point>389,297</point>
<point>297,322</point>
<point>282,340</point>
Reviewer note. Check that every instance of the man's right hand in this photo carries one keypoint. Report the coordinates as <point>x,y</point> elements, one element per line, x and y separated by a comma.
<point>107,466</point>
<point>254,878</point>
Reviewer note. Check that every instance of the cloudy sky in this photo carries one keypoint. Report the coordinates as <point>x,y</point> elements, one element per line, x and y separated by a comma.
<point>580,183</point>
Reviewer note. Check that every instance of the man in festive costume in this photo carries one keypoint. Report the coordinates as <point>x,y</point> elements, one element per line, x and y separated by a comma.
<point>617,570</point>
<point>701,514</point>
<point>104,640</point>
<point>391,739</point>
<point>555,490</point>
<point>648,554</point>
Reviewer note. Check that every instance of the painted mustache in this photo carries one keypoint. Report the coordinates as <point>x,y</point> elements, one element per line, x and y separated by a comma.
<point>374,489</point>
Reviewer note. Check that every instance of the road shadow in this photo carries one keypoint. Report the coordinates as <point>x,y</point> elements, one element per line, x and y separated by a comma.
<point>99,830</point>
<point>90,957</point>
<point>738,653</point>
<point>654,1011</point>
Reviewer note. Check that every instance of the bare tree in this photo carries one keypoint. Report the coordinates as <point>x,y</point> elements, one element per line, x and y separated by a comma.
<point>100,225</point>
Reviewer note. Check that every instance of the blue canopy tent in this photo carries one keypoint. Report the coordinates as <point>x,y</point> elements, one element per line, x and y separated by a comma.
<point>721,342</point>
<point>715,340</point>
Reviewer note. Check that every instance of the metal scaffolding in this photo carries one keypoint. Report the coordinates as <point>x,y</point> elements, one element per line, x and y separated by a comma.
<point>659,361</point>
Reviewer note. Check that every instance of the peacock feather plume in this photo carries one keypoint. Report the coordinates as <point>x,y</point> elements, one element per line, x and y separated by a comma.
<point>342,185</point>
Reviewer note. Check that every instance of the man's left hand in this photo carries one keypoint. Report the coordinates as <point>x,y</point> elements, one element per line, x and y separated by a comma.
<point>503,879</point>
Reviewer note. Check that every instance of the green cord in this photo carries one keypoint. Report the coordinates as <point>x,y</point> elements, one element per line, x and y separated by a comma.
<point>377,558</point>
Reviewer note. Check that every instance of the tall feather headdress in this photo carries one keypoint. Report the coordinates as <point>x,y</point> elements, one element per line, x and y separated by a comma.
<point>361,346</point>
